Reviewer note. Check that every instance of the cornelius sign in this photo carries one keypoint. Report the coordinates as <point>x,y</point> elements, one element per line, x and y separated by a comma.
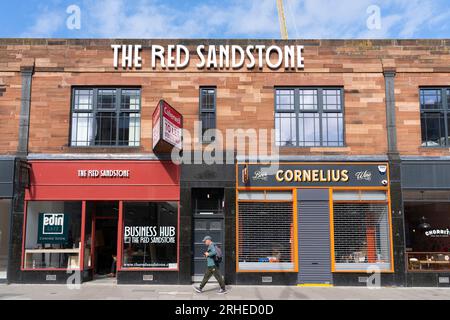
<point>210,57</point>
<point>167,128</point>
<point>309,174</point>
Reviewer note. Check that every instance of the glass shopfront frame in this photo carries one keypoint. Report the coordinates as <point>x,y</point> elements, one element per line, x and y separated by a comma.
<point>80,257</point>
<point>427,230</point>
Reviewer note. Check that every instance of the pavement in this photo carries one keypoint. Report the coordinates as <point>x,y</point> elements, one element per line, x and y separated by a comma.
<point>112,291</point>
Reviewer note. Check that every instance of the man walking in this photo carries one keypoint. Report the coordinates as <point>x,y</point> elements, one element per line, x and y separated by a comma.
<point>212,267</point>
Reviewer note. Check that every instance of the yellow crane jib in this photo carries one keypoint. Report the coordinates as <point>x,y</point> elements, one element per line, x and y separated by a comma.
<point>282,18</point>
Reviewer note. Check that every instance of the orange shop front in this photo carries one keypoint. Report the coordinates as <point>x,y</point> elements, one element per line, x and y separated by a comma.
<point>313,224</point>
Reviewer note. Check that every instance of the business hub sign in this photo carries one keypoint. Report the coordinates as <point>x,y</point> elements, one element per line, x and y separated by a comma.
<point>220,57</point>
<point>52,228</point>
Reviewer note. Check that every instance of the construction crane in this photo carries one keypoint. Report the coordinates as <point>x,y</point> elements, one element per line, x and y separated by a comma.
<point>282,18</point>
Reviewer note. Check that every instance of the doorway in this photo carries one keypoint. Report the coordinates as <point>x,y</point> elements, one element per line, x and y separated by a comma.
<point>105,219</point>
<point>208,219</point>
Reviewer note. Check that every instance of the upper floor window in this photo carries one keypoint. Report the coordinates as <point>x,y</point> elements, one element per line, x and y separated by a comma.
<point>309,117</point>
<point>435,117</point>
<point>106,117</point>
<point>208,113</point>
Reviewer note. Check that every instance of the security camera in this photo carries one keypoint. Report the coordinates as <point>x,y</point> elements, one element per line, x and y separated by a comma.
<point>384,182</point>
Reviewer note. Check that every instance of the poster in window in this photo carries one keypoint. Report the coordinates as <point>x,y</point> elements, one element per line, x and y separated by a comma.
<point>150,235</point>
<point>52,228</point>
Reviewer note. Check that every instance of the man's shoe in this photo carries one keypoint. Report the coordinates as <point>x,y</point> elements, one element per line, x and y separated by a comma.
<point>198,289</point>
<point>222,291</point>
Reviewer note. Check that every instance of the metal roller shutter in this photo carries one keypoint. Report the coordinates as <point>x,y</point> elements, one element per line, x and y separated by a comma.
<point>314,237</point>
<point>266,231</point>
<point>361,235</point>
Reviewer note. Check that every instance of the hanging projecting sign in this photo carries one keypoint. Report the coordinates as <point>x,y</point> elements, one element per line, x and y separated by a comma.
<point>167,128</point>
<point>52,228</point>
<point>307,174</point>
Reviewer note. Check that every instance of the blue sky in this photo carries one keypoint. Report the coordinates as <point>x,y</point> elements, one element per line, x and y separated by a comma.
<point>227,19</point>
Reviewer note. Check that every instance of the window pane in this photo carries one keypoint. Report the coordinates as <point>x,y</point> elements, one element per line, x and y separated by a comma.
<point>252,195</point>
<point>106,99</point>
<point>53,235</point>
<point>309,130</point>
<point>430,99</point>
<point>332,129</point>
<point>427,234</point>
<point>331,99</point>
<point>82,129</point>
<point>285,129</point>
<point>130,99</point>
<point>5,207</point>
<point>433,130</point>
<point>359,195</point>
<point>208,99</point>
<point>284,99</point>
<point>129,129</point>
<point>361,236</point>
<point>106,129</point>
<point>448,128</point>
<point>448,99</point>
<point>150,235</point>
<point>83,99</point>
<point>308,99</point>
<point>266,236</point>
<point>208,125</point>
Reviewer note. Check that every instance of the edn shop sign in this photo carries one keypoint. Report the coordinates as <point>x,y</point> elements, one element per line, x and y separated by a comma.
<point>53,227</point>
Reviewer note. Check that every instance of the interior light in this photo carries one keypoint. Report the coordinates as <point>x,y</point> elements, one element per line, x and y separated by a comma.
<point>424,224</point>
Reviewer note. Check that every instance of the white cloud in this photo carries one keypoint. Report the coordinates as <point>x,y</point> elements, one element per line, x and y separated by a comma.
<point>246,19</point>
<point>46,24</point>
<point>151,19</point>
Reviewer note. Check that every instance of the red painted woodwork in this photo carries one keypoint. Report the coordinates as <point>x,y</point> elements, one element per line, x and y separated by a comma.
<point>148,180</point>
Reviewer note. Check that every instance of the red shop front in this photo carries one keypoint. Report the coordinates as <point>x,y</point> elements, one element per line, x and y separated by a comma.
<point>101,220</point>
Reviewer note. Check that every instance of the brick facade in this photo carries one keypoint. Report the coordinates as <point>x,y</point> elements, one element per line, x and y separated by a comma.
<point>245,99</point>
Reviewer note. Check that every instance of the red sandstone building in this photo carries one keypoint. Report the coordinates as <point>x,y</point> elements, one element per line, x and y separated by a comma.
<point>361,155</point>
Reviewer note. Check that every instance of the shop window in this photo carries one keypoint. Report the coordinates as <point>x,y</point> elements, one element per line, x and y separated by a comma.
<point>53,235</point>
<point>150,235</point>
<point>427,226</point>
<point>5,211</point>
<point>361,231</point>
<point>266,235</point>
<point>106,117</point>
<point>265,195</point>
<point>435,118</point>
<point>309,117</point>
<point>208,113</point>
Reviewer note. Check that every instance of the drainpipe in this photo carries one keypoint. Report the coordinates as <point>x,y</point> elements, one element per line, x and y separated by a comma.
<point>17,206</point>
<point>398,231</point>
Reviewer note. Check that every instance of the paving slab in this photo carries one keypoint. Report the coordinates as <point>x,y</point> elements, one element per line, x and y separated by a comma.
<point>111,291</point>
